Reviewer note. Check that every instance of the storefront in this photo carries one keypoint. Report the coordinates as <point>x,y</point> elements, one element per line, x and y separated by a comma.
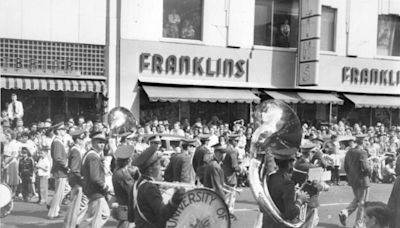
<point>53,79</point>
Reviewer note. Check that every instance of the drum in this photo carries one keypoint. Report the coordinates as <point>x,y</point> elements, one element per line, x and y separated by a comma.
<point>201,208</point>
<point>6,202</point>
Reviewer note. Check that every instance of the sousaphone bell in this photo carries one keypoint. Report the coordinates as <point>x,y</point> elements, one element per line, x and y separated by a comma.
<point>121,121</point>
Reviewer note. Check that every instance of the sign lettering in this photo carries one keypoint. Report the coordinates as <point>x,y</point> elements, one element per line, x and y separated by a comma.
<point>365,76</point>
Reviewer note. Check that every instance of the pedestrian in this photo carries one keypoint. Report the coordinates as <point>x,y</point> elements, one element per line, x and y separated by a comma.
<point>15,110</point>
<point>179,168</point>
<point>149,209</point>
<point>376,215</point>
<point>394,204</point>
<point>11,152</point>
<point>123,178</point>
<point>25,168</point>
<point>95,187</point>
<point>43,170</point>
<point>59,170</point>
<point>79,201</point>
<point>358,173</point>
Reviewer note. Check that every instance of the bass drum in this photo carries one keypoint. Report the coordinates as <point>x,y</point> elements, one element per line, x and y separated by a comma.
<point>201,208</point>
<point>6,202</point>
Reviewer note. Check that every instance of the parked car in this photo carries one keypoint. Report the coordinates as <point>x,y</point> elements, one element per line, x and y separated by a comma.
<point>344,142</point>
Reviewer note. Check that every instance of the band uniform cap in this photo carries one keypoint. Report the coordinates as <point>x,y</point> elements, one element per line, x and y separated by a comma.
<point>317,140</point>
<point>98,135</point>
<point>285,153</point>
<point>146,158</point>
<point>234,137</point>
<point>188,141</point>
<point>77,133</point>
<point>360,137</point>
<point>219,147</point>
<point>204,137</point>
<point>154,138</point>
<point>124,151</point>
<point>125,134</point>
<point>197,125</point>
<point>59,126</point>
<point>307,146</point>
<point>131,135</point>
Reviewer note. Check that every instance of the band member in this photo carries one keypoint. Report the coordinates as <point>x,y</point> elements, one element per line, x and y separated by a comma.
<point>123,179</point>
<point>79,201</point>
<point>198,158</point>
<point>358,172</point>
<point>95,187</point>
<point>149,209</point>
<point>230,164</point>
<point>394,204</point>
<point>282,188</point>
<point>213,173</point>
<point>59,170</point>
<point>180,168</point>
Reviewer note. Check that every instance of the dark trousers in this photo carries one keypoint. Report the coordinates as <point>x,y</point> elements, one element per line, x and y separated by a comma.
<point>335,174</point>
<point>26,186</point>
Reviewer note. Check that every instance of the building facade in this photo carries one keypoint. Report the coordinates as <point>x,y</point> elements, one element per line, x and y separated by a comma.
<point>53,57</point>
<point>192,59</point>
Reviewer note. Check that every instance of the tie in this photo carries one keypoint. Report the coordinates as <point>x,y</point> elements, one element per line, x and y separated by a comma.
<point>14,108</point>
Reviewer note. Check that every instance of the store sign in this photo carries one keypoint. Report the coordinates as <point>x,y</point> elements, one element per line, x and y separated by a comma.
<point>196,66</point>
<point>29,66</point>
<point>373,76</point>
<point>310,33</point>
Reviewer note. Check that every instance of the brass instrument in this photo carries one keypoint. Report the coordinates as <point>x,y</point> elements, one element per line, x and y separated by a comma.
<point>120,121</point>
<point>277,127</point>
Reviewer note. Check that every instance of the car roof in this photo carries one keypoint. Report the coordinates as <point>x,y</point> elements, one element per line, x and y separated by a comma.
<point>169,137</point>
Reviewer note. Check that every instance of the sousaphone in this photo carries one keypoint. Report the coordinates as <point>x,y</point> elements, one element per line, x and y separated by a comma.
<point>121,121</point>
<point>276,127</point>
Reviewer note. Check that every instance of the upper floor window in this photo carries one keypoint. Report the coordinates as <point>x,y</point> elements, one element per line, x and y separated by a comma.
<point>328,24</point>
<point>388,40</point>
<point>183,19</point>
<point>276,23</point>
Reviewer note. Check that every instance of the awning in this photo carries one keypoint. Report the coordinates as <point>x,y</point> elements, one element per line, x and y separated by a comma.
<point>319,98</point>
<point>27,83</point>
<point>288,97</point>
<point>372,101</point>
<point>195,94</point>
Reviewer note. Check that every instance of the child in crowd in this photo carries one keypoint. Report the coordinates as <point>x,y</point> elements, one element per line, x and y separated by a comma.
<point>25,167</point>
<point>43,172</point>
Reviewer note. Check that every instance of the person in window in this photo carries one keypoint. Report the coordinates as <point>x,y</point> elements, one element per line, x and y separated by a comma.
<point>283,35</point>
<point>174,19</point>
<point>187,30</point>
<point>15,109</point>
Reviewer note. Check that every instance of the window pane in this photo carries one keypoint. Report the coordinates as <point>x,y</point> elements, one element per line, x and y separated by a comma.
<point>388,40</point>
<point>183,19</point>
<point>286,23</point>
<point>263,22</point>
<point>328,29</point>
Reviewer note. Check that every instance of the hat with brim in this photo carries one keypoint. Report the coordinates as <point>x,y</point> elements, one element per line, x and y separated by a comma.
<point>233,137</point>
<point>307,147</point>
<point>189,142</point>
<point>204,137</point>
<point>360,138</point>
<point>219,147</point>
<point>285,153</point>
<point>99,135</point>
<point>124,151</point>
<point>77,133</point>
<point>146,158</point>
<point>59,126</point>
<point>317,140</point>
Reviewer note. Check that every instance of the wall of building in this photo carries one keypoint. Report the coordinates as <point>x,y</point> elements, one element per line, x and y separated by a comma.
<point>75,21</point>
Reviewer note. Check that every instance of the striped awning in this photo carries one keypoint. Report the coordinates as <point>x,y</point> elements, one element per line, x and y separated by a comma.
<point>374,101</point>
<point>52,84</point>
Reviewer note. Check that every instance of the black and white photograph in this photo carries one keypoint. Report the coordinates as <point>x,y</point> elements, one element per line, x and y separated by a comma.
<point>200,113</point>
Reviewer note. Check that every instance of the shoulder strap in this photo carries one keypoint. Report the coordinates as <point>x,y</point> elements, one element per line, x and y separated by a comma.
<point>84,157</point>
<point>136,187</point>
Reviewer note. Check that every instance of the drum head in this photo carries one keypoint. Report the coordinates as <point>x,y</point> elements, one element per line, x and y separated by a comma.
<point>6,195</point>
<point>201,208</point>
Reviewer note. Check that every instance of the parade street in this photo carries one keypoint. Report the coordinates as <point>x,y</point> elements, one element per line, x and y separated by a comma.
<point>31,215</point>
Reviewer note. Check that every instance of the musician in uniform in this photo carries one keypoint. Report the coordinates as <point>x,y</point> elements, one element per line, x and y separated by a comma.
<point>213,173</point>
<point>198,158</point>
<point>79,201</point>
<point>358,173</point>
<point>149,209</point>
<point>230,164</point>
<point>123,179</point>
<point>95,187</point>
<point>282,188</point>
<point>59,170</point>
<point>180,168</point>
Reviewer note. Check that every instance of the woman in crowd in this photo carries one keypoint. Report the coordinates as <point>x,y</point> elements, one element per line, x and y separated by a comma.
<point>11,153</point>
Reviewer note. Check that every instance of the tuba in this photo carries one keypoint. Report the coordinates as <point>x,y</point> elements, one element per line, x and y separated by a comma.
<point>120,121</point>
<point>276,127</point>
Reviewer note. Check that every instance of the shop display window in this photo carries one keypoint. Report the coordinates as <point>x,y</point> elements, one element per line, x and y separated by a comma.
<point>388,40</point>
<point>276,23</point>
<point>328,25</point>
<point>183,19</point>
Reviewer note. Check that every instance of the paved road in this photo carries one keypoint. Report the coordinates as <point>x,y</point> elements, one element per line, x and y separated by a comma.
<point>30,215</point>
